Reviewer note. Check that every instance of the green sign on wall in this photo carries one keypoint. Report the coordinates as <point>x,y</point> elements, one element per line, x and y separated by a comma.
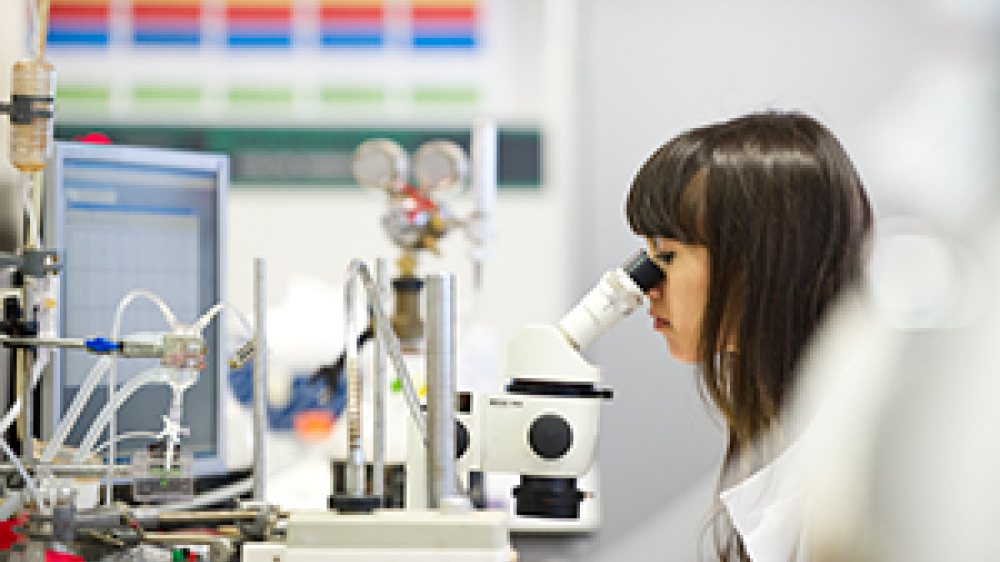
<point>315,157</point>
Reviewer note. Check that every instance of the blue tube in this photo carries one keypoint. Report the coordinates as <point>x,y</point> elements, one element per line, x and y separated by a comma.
<point>102,346</point>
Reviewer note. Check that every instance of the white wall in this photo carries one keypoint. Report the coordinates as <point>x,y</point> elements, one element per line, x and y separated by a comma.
<point>907,87</point>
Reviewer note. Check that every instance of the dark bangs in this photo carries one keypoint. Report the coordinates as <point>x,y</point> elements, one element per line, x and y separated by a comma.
<point>663,201</point>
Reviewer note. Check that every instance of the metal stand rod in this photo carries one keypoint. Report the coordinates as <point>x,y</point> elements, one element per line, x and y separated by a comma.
<point>378,455</point>
<point>260,381</point>
<point>441,348</point>
<point>27,410</point>
<point>358,269</point>
<point>84,470</point>
<point>24,378</point>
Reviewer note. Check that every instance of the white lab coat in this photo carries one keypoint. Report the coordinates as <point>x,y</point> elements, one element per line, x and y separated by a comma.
<point>767,508</point>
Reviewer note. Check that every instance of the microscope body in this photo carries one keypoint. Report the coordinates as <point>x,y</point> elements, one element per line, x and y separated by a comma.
<point>545,424</point>
<point>544,427</point>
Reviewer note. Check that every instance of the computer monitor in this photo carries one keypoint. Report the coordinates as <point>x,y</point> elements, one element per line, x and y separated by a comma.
<point>138,218</point>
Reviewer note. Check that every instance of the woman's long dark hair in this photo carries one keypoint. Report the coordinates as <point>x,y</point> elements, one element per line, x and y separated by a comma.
<point>784,216</point>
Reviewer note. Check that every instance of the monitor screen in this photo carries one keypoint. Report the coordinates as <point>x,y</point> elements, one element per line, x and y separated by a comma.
<point>126,219</point>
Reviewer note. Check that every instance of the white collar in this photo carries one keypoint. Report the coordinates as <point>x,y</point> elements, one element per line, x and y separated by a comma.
<point>767,507</point>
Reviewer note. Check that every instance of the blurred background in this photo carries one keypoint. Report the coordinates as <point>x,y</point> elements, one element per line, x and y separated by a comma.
<point>582,91</point>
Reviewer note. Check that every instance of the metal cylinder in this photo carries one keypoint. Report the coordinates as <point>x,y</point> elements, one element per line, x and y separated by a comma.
<point>378,455</point>
<point>355,470</point>
<point>260,380</point>
<point>441,476</point>
<point>24,378</point>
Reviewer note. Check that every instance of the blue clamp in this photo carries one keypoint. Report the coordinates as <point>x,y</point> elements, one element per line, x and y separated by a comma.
<point>102,346</point>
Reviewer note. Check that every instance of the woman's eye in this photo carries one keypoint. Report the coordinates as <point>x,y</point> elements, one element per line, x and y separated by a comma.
<point>665,257</point>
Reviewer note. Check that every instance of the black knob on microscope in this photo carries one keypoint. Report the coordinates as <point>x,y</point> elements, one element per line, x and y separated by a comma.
<point>461,439</point>
<point>550,437</point>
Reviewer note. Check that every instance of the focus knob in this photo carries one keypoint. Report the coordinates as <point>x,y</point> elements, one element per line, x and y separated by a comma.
<point>461,439</point>
<point>550,437</point>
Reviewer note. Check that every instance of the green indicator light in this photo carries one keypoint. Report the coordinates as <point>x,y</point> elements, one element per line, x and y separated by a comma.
<point>397,386</point>
<point>177,555</point>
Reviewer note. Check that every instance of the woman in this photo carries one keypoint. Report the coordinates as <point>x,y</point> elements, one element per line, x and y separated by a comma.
<point>757,223</point>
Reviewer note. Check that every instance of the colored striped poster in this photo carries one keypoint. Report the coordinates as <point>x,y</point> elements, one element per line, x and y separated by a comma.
<point>259,23</point>
<point>166,22</point>
<point>448,24</point>
<point>75,23</point>
<point>352,23</point>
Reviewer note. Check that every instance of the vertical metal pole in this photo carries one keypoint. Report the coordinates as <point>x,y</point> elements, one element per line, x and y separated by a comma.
<point>27,412</point>
<point>260,380</point>
<point>378,455</point>
<point>441,477</point>
<point>24,378</point>
<point>355,470</point>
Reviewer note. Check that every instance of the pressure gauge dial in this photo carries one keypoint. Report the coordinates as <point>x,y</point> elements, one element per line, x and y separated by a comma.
<point>440,167</point>
<point>380,164</point>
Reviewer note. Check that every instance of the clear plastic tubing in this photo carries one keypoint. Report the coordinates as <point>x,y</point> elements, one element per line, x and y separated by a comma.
<point>202,322</point>
<point>94,433</point>
<point>69,420</point>
<point>31,143</point>
<point>36,373</point>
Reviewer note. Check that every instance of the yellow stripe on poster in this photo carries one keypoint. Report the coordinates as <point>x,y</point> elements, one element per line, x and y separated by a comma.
<point>260,3</point>
<point>79,3</point>
<point>167,2</point>
<point>352,2</point>
<point>443,3</point>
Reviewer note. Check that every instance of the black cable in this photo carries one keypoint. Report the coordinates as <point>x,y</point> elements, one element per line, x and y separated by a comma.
<point>334,372</point>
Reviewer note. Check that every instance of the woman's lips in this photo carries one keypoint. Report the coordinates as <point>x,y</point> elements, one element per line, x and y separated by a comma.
<point>660,323</point>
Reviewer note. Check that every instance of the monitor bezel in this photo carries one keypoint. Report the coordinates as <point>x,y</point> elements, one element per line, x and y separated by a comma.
<point>52,232</point>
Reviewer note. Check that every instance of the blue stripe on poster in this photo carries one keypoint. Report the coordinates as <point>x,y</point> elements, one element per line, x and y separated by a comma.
<point>166,38</point>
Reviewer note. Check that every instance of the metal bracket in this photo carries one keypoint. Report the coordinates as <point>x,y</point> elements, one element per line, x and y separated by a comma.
<point>33,263</point>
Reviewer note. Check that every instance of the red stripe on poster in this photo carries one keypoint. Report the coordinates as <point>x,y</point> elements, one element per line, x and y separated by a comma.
<point>259,12</point>
<point>171,11</point>
<point>353,13</point>
<point>444,13</point>
<point>89,11</point>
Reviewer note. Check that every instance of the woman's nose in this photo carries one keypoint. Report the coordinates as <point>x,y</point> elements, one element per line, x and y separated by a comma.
<point>654,293</point>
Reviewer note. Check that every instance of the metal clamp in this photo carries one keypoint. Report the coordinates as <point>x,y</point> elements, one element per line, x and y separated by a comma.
<point>22,108</point>
<point>33,263</point>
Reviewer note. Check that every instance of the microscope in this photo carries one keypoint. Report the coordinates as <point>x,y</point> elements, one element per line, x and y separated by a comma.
<point>544,427</point>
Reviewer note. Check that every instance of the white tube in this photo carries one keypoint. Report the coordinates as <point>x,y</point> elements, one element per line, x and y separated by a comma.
<point>168,315</point>
<point>24,473</point>
<point>124,436</point>
<point>35,24</point>
<point>29,208</point>
<point>107,414</point>
<point>484,183</point>
<point>36,373</point>
<point>112,377</point>
<point>69,419</point>
<point>207,317</point>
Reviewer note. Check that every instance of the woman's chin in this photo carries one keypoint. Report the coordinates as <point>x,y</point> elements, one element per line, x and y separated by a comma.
<point>681,355</point>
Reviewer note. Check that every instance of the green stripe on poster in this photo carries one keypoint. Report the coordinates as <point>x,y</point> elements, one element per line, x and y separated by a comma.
<point>445,96</point>
<point>315,157</point>
<point>352,96</point>
<point>167,95</point>
<point>84,94</point>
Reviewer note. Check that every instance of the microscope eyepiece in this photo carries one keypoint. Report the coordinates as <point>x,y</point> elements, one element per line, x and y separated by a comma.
<point>642,271</point>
